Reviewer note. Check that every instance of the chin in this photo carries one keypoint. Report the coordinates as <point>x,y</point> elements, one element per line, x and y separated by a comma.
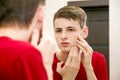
<point>66,50</point>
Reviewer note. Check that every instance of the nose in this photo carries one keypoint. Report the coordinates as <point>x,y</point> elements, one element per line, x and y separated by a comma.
<point>64,35</point>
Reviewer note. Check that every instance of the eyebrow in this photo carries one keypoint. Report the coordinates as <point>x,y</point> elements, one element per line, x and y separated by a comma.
<point>57,28</point>
<point>71,27</point>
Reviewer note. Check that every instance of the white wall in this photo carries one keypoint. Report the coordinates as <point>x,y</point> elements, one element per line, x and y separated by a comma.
<point>114,39</point>
<point>114,27</point>
<point>51,8</point>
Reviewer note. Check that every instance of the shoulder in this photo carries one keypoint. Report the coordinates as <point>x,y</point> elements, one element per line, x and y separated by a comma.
<point>23,47</point>
<point>28,55</point>
<point>30,60</point>
<point>27,50</point>
<point>17,47</point>
<point>99,65</point>
<point>9,43</point>
<point>98,58</point>
<point>97,55</point>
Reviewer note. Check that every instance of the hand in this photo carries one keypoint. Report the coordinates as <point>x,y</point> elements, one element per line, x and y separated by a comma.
<point>87,51</point>
<point>71,68</point>
<point>47,51</point>
<point>46,47</point>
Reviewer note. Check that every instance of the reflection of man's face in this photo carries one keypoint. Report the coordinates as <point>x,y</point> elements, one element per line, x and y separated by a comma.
<point>66,33</point>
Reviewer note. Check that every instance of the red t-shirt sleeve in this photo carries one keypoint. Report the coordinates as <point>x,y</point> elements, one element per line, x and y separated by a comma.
<point>29,66</point>
<point>99,64</point>
<point>103,74</point>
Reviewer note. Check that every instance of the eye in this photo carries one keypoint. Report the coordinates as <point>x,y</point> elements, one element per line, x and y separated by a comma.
<point>71,29</point>
<point>58,30</point>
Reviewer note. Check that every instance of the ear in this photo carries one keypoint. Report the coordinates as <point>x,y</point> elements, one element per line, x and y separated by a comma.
<point>85,32</point>
<point>37,21</point>
<point>40,13</point>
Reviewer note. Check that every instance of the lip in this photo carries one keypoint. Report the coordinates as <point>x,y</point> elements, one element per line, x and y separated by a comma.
<point>65,44</point>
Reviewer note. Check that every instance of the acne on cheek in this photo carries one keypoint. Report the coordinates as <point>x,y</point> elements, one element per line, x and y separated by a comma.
<point>75,41</point>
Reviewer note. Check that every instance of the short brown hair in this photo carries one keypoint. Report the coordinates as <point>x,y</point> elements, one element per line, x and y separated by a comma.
<point>20,11</point>
<point>72,12</point>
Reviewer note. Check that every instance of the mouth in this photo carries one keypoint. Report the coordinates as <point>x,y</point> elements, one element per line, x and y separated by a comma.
<point>65,44</point>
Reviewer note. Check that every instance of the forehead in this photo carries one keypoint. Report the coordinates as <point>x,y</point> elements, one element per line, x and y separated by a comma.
<point>64,23</point>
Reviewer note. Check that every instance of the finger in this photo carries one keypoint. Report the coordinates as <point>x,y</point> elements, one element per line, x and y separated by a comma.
<point>75,57</point>
<point>86,52</point>
<point>35,37</point>
<point>85,46</point>
<point>59,66</point>
<point>68,61</point>
<point>80,43</point>
<point>83,49</point>
<point>80,53</point>
<point>82,40</point>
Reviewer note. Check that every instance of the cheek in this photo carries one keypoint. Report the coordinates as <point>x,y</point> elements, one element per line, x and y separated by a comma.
<point>74,39</point>
<point>57,38</point>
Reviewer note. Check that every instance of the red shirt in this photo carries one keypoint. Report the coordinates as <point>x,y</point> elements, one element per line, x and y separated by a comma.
<point>20,61</point>
<point>99,67</point>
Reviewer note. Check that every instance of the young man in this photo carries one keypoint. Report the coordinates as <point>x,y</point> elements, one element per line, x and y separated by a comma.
<point>76,60</point>
<point>20,22</point>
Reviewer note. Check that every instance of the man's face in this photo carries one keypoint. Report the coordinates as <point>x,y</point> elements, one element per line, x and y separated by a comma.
<point>66,33</point>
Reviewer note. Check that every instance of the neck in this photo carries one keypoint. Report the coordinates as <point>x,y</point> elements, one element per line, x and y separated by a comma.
<point>15,33</point>
<point>62,56</point>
